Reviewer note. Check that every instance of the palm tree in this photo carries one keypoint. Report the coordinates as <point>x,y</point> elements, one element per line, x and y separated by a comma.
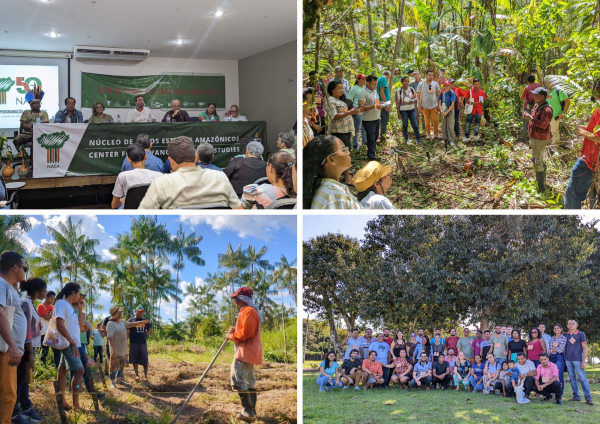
<point>185,246</point>
<point>289,275</point>
<point>12,228</point>
<point>49,263</point>
<point>234,261</point>
<point>254,257</point>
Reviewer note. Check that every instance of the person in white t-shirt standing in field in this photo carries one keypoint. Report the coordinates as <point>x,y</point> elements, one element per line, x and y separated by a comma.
<point>69,323</point>
<point>136,156</point>
<point>140,113</point>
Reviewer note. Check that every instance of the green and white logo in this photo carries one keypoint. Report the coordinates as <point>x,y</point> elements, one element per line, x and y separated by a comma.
<point>53,143</point>
<point>5,86</point>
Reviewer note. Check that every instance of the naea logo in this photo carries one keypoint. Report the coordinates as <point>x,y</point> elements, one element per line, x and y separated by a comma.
<point>53,143</point>
<point>5,86</point>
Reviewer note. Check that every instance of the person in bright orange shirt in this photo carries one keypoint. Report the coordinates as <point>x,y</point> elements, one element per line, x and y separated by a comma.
<point>372,371</point>
<point>248,351</point>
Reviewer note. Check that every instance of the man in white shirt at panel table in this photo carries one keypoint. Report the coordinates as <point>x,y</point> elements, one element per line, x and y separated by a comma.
<point>140,113</point>
<point>234,115</point>
<point>136,156</point>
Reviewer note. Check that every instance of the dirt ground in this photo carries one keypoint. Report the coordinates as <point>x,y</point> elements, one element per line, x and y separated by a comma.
<point>429,176</point>
<point>169,385</point>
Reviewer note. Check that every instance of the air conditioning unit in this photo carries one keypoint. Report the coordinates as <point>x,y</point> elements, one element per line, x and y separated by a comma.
<point>110,53</point>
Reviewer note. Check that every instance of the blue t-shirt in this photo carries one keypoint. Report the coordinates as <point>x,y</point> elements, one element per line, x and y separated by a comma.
<point>478,370</point>
<point>98,339</point>
<point>515,374</point>
<point>383,82</point>
<point>419,368</point>
<point>331,370</point>
<point>574,348</point>
<point>382,350</point>
<point>493,368</point>
<point>352,344</point>
<point>447,98</point>
<point>152,162</point>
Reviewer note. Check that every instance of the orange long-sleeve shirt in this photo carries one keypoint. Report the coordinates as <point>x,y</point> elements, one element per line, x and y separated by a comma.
<point>247,337</point>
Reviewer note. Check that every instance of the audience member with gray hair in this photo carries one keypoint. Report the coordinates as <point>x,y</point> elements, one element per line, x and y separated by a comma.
<point>286,143</point>
<point>244,171</point>
<point>205,152</point>
<point>188,184</point>
<point>152,162</point>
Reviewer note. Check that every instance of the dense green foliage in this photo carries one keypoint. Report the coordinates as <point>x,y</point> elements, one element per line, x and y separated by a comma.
<point>429,271</point>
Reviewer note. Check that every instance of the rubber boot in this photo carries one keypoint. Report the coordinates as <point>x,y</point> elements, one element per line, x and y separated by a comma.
<point>246,414</point>
<point>253,397</point>
<point>541,181</point>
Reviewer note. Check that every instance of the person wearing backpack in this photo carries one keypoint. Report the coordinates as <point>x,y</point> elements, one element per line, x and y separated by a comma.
<point>528,104</point>
<point>474,98</point>
<point>559,102</point>
<point>539,134</point>
<point>406,99</point>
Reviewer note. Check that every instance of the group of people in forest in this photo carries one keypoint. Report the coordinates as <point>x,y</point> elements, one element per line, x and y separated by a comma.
<point>491,362</point>
<point>27,332</point>
<point>346,116</point>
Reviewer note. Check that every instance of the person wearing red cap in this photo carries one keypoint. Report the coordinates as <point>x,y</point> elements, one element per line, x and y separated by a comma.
<point>248,351</point>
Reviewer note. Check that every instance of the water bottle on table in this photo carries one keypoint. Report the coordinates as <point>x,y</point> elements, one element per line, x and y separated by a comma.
<point>68,121</point>
<point>118,119</point>
<point>150,118</point>
<point>168,118</point>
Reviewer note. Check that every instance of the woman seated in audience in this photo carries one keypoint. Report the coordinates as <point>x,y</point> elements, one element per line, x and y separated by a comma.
<point>329,373</point>
<point>535,346</point>
<point>279,174</point>
<point>461,372</point>
<point>372,181</point>
<point>247,170</point>
<point>325,159</point>
<point>210,115</point>
<point>476,378</point>
<point>98,115</point>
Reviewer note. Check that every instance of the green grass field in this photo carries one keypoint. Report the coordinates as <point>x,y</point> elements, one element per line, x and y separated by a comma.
<point>393,405</point>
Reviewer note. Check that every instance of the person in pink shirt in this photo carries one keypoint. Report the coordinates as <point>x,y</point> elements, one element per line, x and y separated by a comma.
<point>546,380</point>
<point>477,343</point>
<point>528,104</point>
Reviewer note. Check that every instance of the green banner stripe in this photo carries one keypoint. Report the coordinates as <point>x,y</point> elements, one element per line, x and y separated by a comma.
<point>194,91</point>
<point>103,147</point>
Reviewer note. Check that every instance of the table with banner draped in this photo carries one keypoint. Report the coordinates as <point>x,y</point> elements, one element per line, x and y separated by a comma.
<point>66,150</point>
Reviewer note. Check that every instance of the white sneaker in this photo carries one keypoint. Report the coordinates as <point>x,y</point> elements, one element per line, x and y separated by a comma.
<point>465,140</point>
<point>356,388</point>
<point>451,143</point>
<point>344,388</point>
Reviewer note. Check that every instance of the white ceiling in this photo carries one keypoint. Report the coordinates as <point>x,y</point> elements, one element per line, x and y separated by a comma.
<point>246,28</point>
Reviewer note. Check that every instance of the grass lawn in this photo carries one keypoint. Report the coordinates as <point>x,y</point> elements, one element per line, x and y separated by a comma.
<point>393,405</point>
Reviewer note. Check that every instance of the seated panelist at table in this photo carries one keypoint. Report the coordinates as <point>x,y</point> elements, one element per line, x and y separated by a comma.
<point>69,114</point>
<point>28,118</point>
<point>210,115</point>
<point>140,113</point>
<point>176,114</point>
<point>234,115</point>
<point>98,115</point>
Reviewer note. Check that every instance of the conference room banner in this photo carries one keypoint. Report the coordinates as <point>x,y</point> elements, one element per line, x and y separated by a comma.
<point>63,150</point>
<point>194,91</point>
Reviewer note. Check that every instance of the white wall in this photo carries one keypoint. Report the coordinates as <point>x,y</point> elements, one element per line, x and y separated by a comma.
<point>268,90</point>
<point>155,66</point>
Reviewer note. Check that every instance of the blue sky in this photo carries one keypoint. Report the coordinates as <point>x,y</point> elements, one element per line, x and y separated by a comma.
<point>277,232</point>
<point>351,225</point>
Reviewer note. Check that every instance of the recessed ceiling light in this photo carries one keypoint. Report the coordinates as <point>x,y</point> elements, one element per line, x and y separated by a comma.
<point>89,36</point>
<point>53,35</point>
<point>180,41</point>
<point>265,17</point>
<point>177,10</point>
<point>218,13</point>
<point>94,2</point>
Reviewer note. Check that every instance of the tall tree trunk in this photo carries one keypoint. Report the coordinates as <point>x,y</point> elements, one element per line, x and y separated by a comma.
<point>317,47</point>
<point>398,39</point>
<point>306,337</point>
<point>371,37</point>
<point>283,323</point>
<point>177,287</point>
<point>356,49</point>
<point>385,27</point>
<point>333,336</point>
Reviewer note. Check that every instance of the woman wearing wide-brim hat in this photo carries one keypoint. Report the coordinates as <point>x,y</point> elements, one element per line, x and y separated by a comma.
<point>117,339</point>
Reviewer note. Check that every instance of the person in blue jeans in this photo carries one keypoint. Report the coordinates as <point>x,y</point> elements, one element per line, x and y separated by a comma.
<point>406,99</point>
<point>556,350</point>
<point>476,378</point>
<point>383,91</point>
<point>371,113</point>
<point>361,80</point>
<point>329,369</point>
<point>575,355</point>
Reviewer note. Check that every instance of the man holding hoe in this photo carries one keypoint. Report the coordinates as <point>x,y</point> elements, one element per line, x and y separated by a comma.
<point>248,351</point>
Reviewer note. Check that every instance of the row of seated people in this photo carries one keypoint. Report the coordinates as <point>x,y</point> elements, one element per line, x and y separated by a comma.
<point>194,182</point>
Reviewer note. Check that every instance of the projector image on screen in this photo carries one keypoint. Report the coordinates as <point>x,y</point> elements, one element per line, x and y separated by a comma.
<point>14,79</point>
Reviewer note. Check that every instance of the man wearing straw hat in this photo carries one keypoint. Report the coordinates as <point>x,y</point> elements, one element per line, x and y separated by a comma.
<point>248,351</point>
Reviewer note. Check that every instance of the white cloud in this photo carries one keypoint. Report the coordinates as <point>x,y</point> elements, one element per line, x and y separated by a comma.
<point>28,242</point>
<point>261,227</point>
<point>107,255</point>
<point>34,222</point>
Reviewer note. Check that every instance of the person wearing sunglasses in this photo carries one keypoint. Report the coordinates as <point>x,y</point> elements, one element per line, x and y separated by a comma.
<point>325,159</point>
<point>535,346</point>
<point>13,269</point>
